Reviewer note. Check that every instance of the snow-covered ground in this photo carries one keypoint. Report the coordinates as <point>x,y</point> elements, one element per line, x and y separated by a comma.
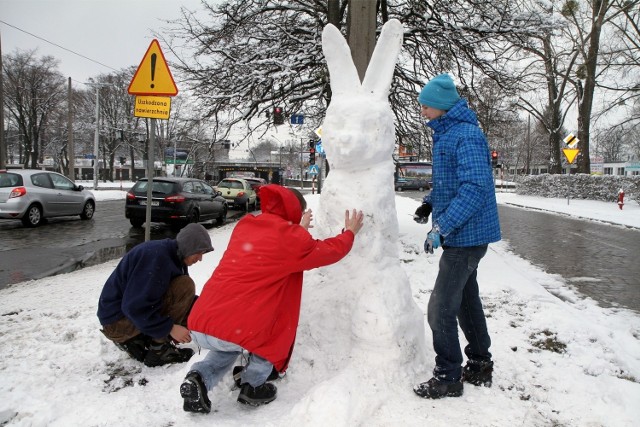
<point>560,359</point>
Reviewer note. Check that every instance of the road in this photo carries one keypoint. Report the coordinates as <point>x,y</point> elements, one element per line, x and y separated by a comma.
<point>597,259</point>
<point>66,244</point>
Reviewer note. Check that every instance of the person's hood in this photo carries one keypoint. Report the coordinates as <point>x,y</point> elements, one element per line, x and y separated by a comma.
<point>193,239</point>
<point>278,200</point>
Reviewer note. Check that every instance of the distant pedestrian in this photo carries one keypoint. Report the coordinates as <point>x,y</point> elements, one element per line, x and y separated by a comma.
<point>145,302</point>
<point>464,221</point>
<point>252,300</point>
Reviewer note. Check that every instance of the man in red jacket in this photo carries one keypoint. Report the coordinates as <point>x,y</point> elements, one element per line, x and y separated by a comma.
<point>252,300</point>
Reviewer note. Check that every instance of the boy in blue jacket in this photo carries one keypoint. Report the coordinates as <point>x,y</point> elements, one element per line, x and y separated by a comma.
<point>464,222</point>
<point>145,302</point>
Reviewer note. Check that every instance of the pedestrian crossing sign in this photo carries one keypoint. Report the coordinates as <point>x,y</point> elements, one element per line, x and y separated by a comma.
<point>314,170</point>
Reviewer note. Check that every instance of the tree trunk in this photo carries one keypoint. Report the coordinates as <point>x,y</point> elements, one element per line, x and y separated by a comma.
<point>585,106</point>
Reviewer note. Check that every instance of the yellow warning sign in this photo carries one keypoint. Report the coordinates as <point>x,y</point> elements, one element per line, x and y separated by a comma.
<point>153,77</point>
<point>152,107</point>
<point>570,154</point>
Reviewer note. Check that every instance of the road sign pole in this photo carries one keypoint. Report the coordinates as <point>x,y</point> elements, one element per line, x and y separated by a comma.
<point>150,168</point>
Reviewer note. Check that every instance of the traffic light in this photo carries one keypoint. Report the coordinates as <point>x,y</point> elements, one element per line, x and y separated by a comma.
<point>494,159</point>
<point>278,116</point>
<point>312,152</point>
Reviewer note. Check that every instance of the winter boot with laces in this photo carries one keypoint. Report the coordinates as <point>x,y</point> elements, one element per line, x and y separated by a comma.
<point>194,393</point>
<point>479,373</point>
<point>137,347</point>
<point>434,389</point>
<point>237,375</point>
<point>164,353</point>
<point>256,396</point>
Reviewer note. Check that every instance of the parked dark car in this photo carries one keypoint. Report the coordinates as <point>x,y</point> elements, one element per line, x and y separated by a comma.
<point>32,195</point>
<point>175,201</point>
<point>419,184</point>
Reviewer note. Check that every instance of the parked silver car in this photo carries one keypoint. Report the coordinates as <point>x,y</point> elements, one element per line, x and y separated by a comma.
<point>32,195</point>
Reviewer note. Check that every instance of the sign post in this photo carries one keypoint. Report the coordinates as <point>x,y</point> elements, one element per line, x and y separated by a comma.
<point>570,153</point>
<point>153,86</point>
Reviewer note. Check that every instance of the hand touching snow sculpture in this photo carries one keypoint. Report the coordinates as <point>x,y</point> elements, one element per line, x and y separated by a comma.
<point>379,335</point>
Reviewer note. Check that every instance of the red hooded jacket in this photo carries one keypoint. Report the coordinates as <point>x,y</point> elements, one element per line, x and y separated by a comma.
<point>253,297</point>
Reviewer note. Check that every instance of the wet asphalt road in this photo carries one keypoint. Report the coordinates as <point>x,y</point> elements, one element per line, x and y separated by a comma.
<point>598,259</point>
<point>65,244</point>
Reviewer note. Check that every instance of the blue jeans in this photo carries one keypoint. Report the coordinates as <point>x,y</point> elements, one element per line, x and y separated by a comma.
<point>456,296</point>
<point>221,358</point>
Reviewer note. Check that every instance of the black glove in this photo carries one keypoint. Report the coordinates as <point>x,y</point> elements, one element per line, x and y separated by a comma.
<point>422,213</point>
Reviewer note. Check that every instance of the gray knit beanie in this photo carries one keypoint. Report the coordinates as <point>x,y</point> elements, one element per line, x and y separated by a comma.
<point>193,239</point>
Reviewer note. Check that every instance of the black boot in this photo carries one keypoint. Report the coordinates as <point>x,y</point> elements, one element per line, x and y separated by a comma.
<point>434,389</point>
<point>164,353</point>
<point>256,396</point>
<point>478,373</point>
<point>237,374</point>
<point>137,347</point>
<point>194,393</point>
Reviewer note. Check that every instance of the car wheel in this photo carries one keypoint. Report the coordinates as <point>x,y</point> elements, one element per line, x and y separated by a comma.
<point>33,216</point>
<point>194,217</point>
<point>420,189</point>
<point>88,210</point>
<point>246,206</point>
<point>254,206</point>
<point>223,217</point>
<point>398,188</point>
<point>136,222</point>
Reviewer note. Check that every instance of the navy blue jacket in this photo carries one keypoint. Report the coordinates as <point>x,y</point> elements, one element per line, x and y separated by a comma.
<point>137,285</point>
<point>463,196</point>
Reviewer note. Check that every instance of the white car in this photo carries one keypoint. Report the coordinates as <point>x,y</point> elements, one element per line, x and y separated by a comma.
<point>239,193</point>
<point>33,194</point>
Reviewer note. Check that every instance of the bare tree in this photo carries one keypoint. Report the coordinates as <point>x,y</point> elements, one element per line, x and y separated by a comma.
<point>243,58</point>
<point>588,20</point>
<point>32,92</point>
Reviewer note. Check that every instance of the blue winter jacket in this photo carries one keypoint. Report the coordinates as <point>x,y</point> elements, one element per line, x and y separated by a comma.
<point>137,285</point>
<point>463,198</point>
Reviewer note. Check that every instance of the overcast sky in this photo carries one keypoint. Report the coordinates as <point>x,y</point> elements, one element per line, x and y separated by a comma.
<point>115,33</point>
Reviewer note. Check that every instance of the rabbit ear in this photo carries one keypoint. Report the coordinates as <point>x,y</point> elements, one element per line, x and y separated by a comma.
<point>344,76</point>
<point>380,70</point>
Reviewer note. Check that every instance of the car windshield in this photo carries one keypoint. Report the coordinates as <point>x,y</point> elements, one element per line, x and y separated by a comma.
<point>159,187</point>
<point>10,179</point>
<point>231,184</point>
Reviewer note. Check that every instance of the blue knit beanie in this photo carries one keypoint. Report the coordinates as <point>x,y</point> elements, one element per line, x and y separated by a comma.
<point>439,93</point>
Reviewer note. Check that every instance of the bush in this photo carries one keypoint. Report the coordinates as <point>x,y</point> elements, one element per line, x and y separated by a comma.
<point>580,186</point>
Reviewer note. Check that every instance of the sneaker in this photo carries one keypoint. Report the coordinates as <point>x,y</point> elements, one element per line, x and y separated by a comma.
<point>165,353</point>
<point>237,374</point>
<point>478,373</point>
<point>137,347</point>
<point>194,393</point>
<point>256,396</point>
<point>434,389</point>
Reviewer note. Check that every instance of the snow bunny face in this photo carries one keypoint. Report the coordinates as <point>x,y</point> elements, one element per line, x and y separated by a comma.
<point>358,130</point>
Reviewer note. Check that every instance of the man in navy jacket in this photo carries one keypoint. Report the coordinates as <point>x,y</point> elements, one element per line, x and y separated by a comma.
<point>464,222</point>
<point>145,302</point>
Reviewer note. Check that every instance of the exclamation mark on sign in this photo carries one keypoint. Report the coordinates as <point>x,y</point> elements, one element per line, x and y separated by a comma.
<point>153,68</point>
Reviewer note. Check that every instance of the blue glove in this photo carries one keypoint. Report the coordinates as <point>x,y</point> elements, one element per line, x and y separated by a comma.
<point>433,240</point>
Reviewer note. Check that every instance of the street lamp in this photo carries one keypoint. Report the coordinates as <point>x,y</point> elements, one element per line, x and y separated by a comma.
<point>96,138</point>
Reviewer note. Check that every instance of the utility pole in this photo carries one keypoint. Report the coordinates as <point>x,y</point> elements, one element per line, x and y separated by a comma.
<point>96,140</point>
<point>361,33</point>
<point>71,152</point>
<point>3,146</point>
